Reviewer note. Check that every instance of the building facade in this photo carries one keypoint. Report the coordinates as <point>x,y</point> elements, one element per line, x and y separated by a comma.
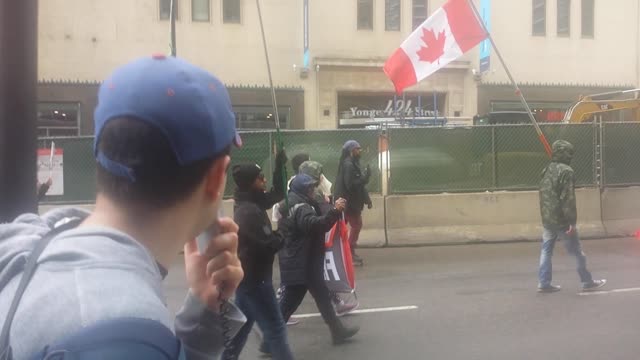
<point>559,50</point>
<point>327,57</point>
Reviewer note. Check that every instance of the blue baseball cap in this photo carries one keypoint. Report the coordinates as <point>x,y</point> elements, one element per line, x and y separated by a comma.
<point>350,145</point>
<point>189,105</point>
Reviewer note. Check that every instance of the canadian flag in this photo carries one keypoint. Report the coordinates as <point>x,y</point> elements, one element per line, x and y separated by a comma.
<point>448,33</point>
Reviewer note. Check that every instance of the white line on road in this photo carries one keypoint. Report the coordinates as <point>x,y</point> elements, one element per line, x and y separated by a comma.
<point>609,291</point>
<point>363,311</point>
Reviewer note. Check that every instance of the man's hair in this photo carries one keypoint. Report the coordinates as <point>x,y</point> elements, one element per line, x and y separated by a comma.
<point>160,181</point>
<point>298,160</point>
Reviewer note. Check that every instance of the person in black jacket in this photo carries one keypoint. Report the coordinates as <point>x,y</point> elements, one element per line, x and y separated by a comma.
<point>351,185</point>
<point>257,246</point>
<point>302,258</point>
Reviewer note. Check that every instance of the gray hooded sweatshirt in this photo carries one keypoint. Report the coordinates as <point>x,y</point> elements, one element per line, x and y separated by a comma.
<point>86,275</point>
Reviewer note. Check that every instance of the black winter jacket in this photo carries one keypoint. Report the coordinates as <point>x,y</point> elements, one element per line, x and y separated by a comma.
<point>350,185</point>
<point>257,242</point>
<point>303,228</point>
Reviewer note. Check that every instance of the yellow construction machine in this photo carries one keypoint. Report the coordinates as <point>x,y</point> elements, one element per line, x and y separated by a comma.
<point>608,107</point>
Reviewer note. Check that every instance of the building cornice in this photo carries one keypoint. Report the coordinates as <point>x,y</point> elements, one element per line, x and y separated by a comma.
<point>229,86</point>
<point>558,85</point>
<point>375,62</point>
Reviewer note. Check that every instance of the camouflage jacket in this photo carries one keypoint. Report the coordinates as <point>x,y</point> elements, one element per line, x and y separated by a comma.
<point>557,193</point>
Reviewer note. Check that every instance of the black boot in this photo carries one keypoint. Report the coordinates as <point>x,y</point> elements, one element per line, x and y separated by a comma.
<point>340,333</point>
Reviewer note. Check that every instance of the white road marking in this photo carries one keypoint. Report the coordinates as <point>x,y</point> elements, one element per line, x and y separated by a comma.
<point>363,311</point>
<point>587,293</point>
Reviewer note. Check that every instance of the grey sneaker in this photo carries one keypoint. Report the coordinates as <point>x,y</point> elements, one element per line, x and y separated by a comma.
<point>344,308</point>
<point>595,284</point>
<point>292,322</point>
<point>549,289</point>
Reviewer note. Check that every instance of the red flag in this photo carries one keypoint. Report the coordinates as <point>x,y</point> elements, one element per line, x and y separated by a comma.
<point>448,33</point>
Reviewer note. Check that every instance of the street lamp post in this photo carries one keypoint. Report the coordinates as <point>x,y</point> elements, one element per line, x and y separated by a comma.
<point>18,101</point>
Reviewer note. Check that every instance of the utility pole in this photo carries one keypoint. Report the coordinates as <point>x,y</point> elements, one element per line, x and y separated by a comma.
<point>174,7</point>
<point>18,102</point>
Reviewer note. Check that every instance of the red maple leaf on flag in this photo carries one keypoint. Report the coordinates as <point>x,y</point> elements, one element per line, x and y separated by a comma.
<point>434,45</point>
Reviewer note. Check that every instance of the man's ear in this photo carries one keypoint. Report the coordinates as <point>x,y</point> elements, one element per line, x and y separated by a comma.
<point>217,178</point>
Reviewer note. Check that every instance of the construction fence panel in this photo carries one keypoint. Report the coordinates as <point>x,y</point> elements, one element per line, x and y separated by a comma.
<point>621,158</point>
<point>438,159</point>
<point>520,156</point>
<point>325,147</point>
<point>78,169</point>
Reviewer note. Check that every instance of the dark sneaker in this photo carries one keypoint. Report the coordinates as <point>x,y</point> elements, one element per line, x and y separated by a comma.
<point>264,351</point>
<point>357,260</point>
<point>343,334</point>
<point>549,289</point>
<point>595,284</point>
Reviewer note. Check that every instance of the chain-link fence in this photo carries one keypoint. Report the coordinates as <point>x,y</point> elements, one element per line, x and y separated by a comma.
<point>621,154</point>
<point>501,157</point>
<point>78,169</point>
<point>420,160</point>
<point>79,182</point>
<point>325,147</point>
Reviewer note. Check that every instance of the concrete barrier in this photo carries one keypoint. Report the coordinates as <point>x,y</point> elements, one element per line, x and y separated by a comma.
<point>479,217</point>
<point>482,217</point>
<point>373,234</point>
<point>621,211</point>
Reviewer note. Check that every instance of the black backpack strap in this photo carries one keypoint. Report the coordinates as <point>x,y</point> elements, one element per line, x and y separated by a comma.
<point>27,274</point>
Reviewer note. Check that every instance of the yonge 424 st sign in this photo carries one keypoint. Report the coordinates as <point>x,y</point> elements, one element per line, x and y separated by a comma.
<point>402,108</point>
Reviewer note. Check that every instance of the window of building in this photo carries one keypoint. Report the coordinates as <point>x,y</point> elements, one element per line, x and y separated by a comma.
<point>588,18</point>
<point>231,11</point>
<point>200,10</point>
<point>539,18</point>
<point>165,9</point>
<point>58,119</point>
<point>261,117</point>
<point>392,15</point>
<point>419,12</point>
<point>365,14</point>
<point>564,17</point>
<point>542,111</point>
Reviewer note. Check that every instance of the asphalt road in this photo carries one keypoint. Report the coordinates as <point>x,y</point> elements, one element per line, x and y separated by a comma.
<point>478,302</point>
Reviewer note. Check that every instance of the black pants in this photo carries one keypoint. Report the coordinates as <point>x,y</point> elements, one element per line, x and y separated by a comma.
<point>292,296</point>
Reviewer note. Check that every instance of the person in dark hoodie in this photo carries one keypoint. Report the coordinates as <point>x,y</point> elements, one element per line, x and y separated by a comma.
<point>302,258</point>
<point>257,246</point>
<point>351,183</point>
<point>559,217</point>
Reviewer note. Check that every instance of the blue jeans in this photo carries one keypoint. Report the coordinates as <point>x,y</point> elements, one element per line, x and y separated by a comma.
<point>258,303</point>
<point>572,244</point>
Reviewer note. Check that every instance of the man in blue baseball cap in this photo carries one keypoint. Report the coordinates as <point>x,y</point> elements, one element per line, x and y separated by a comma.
<point>163,133</point>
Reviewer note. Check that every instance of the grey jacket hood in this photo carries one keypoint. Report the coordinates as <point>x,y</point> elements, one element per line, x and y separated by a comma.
<point>18,238</point>
<point>90,274</point>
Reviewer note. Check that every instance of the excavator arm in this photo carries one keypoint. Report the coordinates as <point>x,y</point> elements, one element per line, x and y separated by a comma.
<point>608,104</point>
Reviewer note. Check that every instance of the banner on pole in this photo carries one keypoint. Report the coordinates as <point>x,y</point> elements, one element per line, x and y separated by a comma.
<point>485,46</point>
<point>338,265</point>
<point>50,165</point>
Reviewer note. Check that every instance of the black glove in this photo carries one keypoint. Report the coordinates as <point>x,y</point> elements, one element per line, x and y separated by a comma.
<point>367,172</point>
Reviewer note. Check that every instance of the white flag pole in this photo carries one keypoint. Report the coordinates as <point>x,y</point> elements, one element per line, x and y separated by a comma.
<point>541,136</point>
<point>53,149</point>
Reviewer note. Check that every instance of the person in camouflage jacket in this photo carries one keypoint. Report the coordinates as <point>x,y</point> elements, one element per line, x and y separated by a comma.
<point>559,217</point>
